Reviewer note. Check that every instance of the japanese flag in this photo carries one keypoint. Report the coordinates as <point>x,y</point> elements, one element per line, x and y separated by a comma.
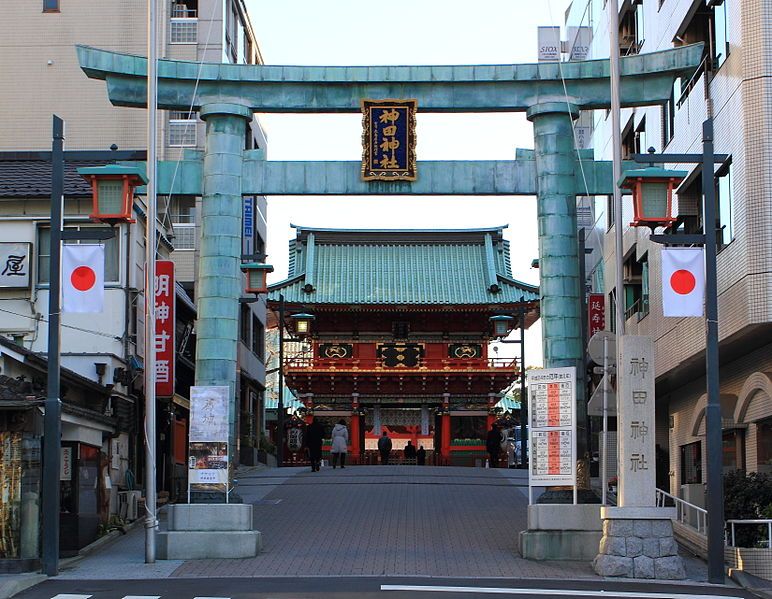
<point>83,278</point>
<point>683,281</point>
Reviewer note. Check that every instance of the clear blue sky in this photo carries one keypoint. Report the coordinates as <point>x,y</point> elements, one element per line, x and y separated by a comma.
<point>347,32</point>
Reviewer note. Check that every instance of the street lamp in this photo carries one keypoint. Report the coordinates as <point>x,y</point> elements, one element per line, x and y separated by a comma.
<point>112,188</point>
<point>715,487</point>
<point>302,323</point>
<point>652,189</point>
<point>502,325</point>
<point>257,274</point>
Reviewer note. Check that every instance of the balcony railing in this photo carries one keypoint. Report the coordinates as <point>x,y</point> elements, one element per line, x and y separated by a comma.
<point>480,364</point>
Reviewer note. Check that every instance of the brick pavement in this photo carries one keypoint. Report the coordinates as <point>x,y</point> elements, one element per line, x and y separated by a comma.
<point>390,520</point>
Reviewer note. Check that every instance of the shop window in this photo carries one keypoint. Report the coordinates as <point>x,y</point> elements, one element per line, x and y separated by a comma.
<point>112,255</point>
<point>691,463</point>
<point>50,5</point>
<point>764,445</point>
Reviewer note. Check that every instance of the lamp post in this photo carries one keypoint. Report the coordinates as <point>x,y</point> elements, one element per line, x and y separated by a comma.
<point>52,426</point>
<point>649,198</point>
<point>502,326</point>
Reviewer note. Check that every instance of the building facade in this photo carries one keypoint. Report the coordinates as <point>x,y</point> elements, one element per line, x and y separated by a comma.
<point>733,87</point>
<point>401,333</point>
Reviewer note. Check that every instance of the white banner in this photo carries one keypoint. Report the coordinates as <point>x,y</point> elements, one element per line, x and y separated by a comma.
<point>14,264</point>
<point>83,278</point>
<point>683,281</point>
<point>209,413</point>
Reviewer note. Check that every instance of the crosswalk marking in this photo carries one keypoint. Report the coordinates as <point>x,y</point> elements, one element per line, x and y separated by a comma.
<point>550,592</point>
<point>71,596</point>
<point>142,597</point>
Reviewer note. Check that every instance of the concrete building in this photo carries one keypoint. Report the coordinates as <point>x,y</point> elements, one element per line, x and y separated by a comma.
<point>734,87</point>
<point>40,76</point>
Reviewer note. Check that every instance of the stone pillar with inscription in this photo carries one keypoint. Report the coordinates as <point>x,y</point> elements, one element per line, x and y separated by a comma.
<point>637,537</point>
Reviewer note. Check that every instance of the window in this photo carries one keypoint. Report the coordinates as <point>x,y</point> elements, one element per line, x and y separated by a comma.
<point>244,320</point>
<point>764,446</point>
<point>611,311</point>
<point>258,337</point>
<point>635,300</point>
<point>691,463</point>
<point>609,212</point>
<point>182,129</point>
<point>641,147</point>
<point>733,450</point>
<point>668,112</point>
<point>720,34</point>
<point>50,5</point>
<point>644,287</point>
<point>724,207</point>
<point>631,29</point>
<point>112,254</point>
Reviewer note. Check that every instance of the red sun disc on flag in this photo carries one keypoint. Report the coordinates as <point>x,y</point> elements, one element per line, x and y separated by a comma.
<point>83,278</point>
<point>683,282</point>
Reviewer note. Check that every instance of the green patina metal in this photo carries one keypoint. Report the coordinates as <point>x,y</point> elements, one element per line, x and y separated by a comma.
<point>220,278</point>
<point>551,93</point>
<point>400,268</point>
<point>449,178</point>
<point>645,79</point>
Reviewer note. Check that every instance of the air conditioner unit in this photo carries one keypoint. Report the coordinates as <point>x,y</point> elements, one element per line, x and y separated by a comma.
<point>128,504</point>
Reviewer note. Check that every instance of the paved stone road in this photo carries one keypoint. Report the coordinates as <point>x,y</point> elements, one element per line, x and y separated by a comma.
<point>390,520</point>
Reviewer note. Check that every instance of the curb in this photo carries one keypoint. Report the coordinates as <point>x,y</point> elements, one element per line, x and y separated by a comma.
<point>758,586</point>
<point>18,583</point>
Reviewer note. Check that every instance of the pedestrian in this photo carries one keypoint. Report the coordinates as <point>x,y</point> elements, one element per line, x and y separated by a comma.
<point>314,437</point>
<point>493,445</point>
<point>409,452</point>
<point>384,447</point>
<point>339,444</point>
<point>421,455</point>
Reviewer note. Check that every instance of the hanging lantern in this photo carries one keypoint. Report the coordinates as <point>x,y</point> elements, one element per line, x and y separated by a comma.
<point>652,189</point>
<point>112,190</point>
<point>302,324</point>
<point>502,324</point>
<point>257,274</point>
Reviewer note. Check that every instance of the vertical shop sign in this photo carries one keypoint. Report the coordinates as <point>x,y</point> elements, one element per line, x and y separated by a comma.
<point>596,318</point>
<point>164,328</point>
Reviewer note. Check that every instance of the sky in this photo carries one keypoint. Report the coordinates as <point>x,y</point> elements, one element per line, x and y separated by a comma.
<point>404,32</point>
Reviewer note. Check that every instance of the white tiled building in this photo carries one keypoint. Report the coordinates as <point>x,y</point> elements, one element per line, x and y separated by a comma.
<point>734,86</point>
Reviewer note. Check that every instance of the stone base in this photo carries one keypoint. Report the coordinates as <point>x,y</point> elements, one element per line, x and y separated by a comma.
<point>559,544</point>
<point>209,531</point>
<point>643,548</point>
<point>553,516</point>
<point>208,545</point>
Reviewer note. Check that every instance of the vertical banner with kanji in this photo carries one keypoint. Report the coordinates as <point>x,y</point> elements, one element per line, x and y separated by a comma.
<point>596,317</point>
<point>552,423</point>
<point>388,140</point>
<point>164,328</point>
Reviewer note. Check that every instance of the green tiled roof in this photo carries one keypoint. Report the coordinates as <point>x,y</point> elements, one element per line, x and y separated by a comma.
<point>399,267</point>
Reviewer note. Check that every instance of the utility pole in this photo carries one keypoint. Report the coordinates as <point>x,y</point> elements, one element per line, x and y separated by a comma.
<point>52,425</point>
<point>280,404</point>
<point>150,256</point>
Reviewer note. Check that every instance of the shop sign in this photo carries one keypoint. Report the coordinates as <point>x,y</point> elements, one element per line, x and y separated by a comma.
<point>596,317</point>
<point>15,264</point>
<point>65,466</point>
<point>208,461</point>
<point>164,328</point>
<point>549,44</point>
<point>389,140</point>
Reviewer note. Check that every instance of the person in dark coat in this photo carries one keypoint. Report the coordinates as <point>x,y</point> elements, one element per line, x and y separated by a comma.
<point>420,456</point>
<point>384,447</point>
<point>314,436</point>
<point>410,451</point>
<point>493,446</point>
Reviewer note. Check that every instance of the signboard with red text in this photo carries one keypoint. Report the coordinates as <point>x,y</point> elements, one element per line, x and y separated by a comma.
<point>164,328</point>
<point>596,308</point>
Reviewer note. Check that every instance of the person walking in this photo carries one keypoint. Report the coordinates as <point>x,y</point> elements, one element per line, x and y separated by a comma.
<point>314,437</point>
<point>384,447</point>
<point>493,445</point>
<point>339,444</point>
